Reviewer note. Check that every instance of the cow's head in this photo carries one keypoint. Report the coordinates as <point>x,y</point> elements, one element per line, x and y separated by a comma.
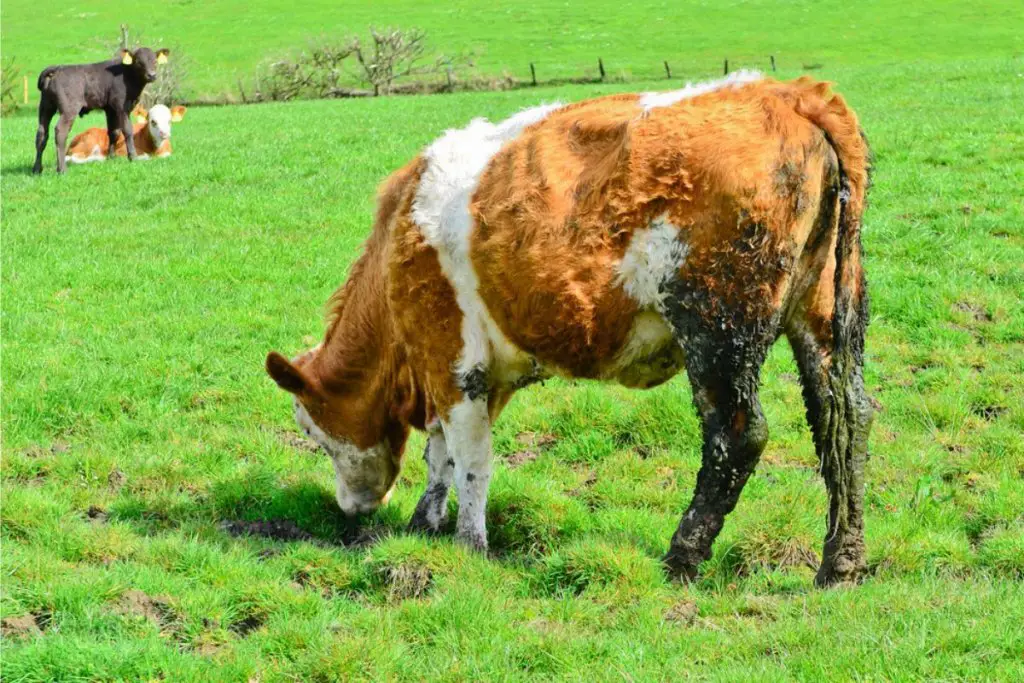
<point>366,461</point>
<point>143,61</point>
<point>159,119</point>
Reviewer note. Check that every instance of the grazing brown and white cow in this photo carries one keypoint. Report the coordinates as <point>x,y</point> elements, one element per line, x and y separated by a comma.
<point>151,133</point>
<point>623,238</point>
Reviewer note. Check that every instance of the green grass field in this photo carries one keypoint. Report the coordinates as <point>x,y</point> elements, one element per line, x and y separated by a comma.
<point>140,432</point>
<point>225,40</point>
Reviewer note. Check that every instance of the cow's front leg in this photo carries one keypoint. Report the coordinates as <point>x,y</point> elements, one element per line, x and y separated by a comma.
<point>467,433</point>
<point>432,510</point>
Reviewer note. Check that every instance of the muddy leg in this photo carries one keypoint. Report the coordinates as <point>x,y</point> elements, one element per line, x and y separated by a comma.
<point>735,433</point>
<point>468,435</point>
<point>46,112</point>
<point>432,510</point>
<point>840,417</point>
<point>61,138</point>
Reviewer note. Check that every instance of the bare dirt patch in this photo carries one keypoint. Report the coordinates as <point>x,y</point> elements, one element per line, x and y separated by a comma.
<point>683,612</point>
<point>276,529</point>
<point>247,625</point>
<point>534,444</point>
<point>20,627</point>
<point>136,603</point>
<point>989,413</point>
<point>407,580</point>
<point>96,514</point>
<point>976,311</point>
<point>364,537</point>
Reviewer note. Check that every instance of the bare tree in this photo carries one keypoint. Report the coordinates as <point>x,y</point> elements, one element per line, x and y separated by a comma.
<point>393,54</point>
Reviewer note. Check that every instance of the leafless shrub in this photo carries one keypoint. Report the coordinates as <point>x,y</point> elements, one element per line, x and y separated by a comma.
<point>381,64</point>
<point>316,72</point>
<point>169,85</point>
<point>10,83</point>
<point>394,54</point>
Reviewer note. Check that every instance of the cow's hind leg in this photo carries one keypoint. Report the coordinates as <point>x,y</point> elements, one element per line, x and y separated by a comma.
<point>735,433</point>
<point>60,135</point>
<point>725,334</point>
<point>46,111</point>
<point>839,414</point>
<point>432,510</point>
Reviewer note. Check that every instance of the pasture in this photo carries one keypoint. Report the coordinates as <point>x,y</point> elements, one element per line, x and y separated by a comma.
<point>162,518</point>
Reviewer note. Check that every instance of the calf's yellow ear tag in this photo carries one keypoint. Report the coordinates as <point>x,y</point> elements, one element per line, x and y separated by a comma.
<point>161,58</point>
<point>126,58</point>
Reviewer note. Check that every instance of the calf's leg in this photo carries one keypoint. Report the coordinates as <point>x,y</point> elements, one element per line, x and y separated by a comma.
<point>46,112</point>
<point>113,126</point>
<point>129,137</point>
<point>432,510</point>
<point>61,138</point>
<point>467,432</point>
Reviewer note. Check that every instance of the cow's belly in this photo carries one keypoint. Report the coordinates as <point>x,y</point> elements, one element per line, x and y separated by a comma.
<point>648,356</point>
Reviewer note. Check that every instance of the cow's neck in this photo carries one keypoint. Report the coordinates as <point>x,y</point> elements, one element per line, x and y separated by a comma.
<point>361,362</point>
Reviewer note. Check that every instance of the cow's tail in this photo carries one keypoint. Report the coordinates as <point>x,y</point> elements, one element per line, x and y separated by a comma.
<point>44,77</point>
<point>839,124</point>
<point>843,410</point>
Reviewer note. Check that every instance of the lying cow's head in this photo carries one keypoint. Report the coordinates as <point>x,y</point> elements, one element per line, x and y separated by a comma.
<point>159,119</point>
<point>365,464</point>
<point>143,61</point>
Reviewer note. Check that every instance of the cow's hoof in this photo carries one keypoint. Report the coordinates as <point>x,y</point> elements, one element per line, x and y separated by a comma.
<point>419,524</point>
<point>474,541</point>
<point>842,568</point>
<point>680,566</point>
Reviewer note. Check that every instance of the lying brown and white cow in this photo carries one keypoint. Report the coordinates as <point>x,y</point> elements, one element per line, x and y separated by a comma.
<point>151,133</point>
<point>623,238</point>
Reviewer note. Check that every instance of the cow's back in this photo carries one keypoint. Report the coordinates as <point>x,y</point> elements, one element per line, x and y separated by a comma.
<point>562,230</point>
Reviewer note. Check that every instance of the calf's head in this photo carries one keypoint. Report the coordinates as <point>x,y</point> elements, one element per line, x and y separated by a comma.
<point>143,62</point>
<point>366,453</point>
<point>159,119</point>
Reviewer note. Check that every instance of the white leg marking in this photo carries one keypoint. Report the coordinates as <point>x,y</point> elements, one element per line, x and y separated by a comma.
<point>468,435</point>
<point>455,163</point>
<point>652,100</point>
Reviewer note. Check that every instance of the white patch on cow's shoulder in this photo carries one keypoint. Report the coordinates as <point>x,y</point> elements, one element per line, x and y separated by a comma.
<point>652,100</point>
<point>350,464</point>
<point>653,257</point>
<point>455,163</point>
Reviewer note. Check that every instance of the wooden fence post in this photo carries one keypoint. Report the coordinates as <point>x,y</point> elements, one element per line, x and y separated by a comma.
<point>600,67</point>
<point>726,67</point>
<point>773,62</point>
<point>668,71</point>
<point>533,74</point>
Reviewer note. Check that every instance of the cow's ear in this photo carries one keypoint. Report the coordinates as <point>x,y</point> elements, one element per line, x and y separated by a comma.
<point>126,57</point>
<point>287,376</point>
<point>139,114</point>
<point>177,113</point>
<point>161,55</point>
